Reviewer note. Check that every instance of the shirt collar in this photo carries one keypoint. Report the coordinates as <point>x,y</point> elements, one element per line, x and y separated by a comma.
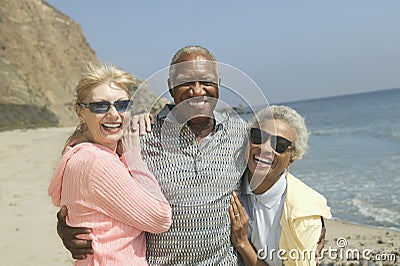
<point>165,112</point>
<point>270,197</point>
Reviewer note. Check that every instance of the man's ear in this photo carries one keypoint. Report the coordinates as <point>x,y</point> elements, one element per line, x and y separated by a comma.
<point>171,92</point>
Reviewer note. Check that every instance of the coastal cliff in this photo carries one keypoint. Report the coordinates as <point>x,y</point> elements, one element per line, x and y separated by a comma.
<point>42,53</point>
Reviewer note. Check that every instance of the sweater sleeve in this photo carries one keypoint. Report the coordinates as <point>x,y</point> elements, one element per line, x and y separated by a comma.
<point>121,196</point>
<point>138,169</point>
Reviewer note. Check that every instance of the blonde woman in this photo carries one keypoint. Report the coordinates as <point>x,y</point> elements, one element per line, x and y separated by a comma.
<point>117,197</point>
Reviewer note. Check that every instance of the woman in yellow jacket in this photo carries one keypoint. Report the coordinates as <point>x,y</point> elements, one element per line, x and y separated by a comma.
<point>279,218</point>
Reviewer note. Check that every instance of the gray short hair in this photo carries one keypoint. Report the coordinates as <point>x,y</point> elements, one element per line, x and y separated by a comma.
<point>190,50</point>
<point>291,117</point>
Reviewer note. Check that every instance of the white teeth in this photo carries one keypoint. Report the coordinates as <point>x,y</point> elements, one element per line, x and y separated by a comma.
<point>197,103</point>
<point>112,125</point>
<point>259,160</point>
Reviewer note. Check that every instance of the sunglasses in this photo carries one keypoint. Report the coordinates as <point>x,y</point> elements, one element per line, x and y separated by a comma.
<point>104,107</point>
<point>278,143</point>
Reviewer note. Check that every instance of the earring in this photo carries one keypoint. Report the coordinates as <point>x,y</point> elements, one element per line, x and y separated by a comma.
<point>82,127</point>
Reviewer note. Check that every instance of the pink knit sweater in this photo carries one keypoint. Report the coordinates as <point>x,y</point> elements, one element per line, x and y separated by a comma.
<point>117,200</point>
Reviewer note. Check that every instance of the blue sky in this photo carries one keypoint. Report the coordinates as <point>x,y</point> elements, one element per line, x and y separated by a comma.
<point>293,50</point>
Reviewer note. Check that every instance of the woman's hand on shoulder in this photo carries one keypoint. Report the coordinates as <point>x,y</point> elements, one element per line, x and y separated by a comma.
<point>137,125</point>
<point>143,123</point>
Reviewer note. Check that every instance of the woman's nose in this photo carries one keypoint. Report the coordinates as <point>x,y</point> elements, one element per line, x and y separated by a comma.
<point>113,111</point>
<point>267,146</point>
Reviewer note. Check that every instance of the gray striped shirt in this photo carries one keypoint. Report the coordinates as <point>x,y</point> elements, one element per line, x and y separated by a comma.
<point>197,180</point>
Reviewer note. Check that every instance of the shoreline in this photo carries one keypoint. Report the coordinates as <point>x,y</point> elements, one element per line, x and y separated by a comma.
<point>366,225</point>
<point>27,163</point>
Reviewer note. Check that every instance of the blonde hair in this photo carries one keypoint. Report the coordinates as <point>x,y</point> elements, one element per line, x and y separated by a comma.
<point>293,119</point>
<point>93,76</point>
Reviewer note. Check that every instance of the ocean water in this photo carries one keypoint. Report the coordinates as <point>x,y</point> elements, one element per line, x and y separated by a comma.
<point>354,155</point>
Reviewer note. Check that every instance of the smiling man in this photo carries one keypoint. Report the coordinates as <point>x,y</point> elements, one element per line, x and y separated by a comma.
<point>196,155</point>
<point>193,84</point>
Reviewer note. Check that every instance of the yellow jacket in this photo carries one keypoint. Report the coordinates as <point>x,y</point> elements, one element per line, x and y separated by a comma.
<point>301,222</point>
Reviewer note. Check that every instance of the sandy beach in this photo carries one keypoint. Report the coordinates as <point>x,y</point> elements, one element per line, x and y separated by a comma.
<point>28,224</point>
